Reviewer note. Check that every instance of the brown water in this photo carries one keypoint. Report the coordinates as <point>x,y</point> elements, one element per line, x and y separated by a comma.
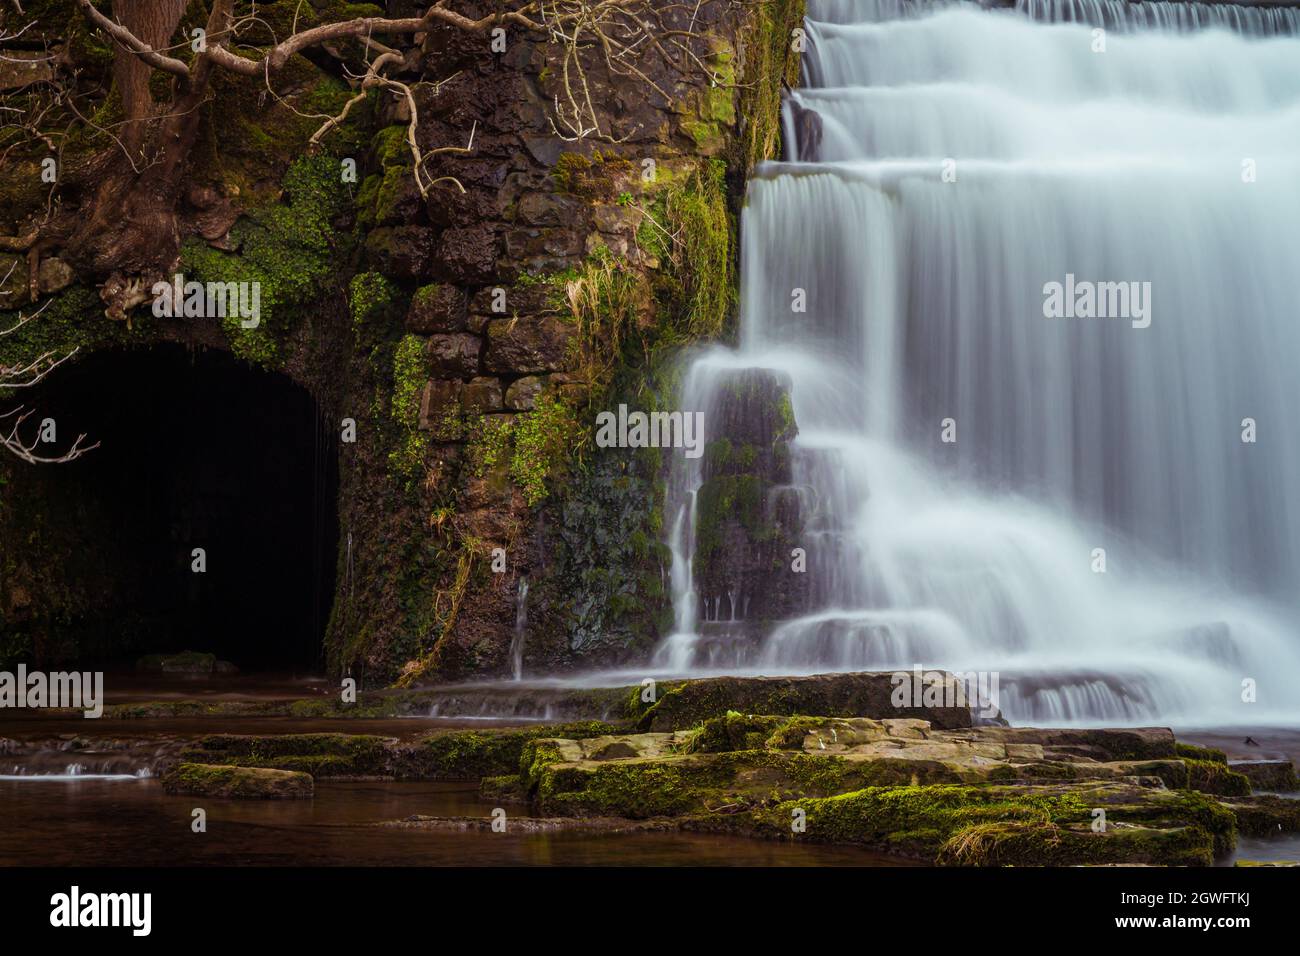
<point>133,823</point>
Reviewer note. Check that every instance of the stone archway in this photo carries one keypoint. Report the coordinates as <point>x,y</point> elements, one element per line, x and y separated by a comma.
<point>198,450</point>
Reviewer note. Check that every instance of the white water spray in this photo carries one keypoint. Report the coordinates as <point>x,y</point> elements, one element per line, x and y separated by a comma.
<point>521,630</point>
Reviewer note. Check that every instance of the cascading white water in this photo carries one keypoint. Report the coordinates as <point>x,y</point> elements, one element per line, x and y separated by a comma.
<point>521,630</point>
<point>965,158</point>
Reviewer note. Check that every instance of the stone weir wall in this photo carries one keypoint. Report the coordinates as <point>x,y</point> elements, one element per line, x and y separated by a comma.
<point>472,333</point>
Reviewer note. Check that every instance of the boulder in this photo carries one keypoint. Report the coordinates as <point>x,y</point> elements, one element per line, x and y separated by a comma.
<point>686,704</point>
<point>748,517</point>
<point>247,783</point>
<point>320,755</point>
<point>1278,775</point>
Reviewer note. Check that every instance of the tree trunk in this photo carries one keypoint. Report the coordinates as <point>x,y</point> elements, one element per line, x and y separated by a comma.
<point>126,226</point>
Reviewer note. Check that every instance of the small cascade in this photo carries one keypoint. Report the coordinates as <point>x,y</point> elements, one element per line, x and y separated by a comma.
<point>86,758</point>
<point>521,630</point>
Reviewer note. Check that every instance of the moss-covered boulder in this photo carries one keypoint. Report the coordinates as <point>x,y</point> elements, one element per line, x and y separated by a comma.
<point>1265,815</point>
<point>686,704</point>
<point>1276,775</point>
<point>1210,776</point>
<point>321,755</point>
<point>1197,752</point>
<point>685,784</point>
<point>250,783</point>
<point>474,754</point>
<point>1053,825</point>
<point>747,517</point>
<point>507,788</point>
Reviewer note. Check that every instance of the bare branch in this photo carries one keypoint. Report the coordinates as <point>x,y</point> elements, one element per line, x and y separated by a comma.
<point>25,374</point>
<point>13,441</point>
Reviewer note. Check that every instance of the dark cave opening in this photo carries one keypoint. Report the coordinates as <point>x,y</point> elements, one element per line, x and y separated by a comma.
<point>196,450</point>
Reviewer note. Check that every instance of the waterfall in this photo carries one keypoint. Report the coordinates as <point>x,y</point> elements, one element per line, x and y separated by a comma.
<point>521,630</point>
<point>1097,529</point>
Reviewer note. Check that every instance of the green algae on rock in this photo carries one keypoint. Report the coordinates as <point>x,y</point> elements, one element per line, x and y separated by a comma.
<point>320,755</point>
<point>249,783</point>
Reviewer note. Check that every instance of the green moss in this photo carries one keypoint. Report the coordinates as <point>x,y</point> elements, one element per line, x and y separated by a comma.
<point>996,825</point>
<point>734,731</point>
<point>533,449</point>
<point>237,782</point>
<point>321,755</point>
<point>699,288</point>
<point>770,63</point>
<point>381,192</point>
<point>369,297</point>
<point>1193,752</point>
<point>702,782</point>
<point>73,319</point>
<point>503,789</point>
<point>543,438</point>
<point>409,374</point>
<point>472,754</point>
<point>288,249</point>
<point>790,734</point>
<point>535,757</point>
<point>724,499</point>
<point>1210,776</point>
<point>785,413</point>
<point>1038,844</point>
<point>595,178</point>
<point>1265,815</point>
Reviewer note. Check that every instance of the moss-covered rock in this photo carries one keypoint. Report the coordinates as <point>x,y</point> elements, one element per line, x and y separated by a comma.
<point>321,755</point>
<point>207,780</point>
<point>1194,752</point>
<point>675,786</point>
<point>507,788</point>
<point>1265,815</point>
<point>1277,775</point>
<point>473,754</point>
<point>1211,776</point>
<point>681,705</point>
<point>996,825</point>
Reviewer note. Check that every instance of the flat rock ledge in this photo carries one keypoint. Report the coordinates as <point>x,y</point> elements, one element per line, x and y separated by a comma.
<point>962,796</point>
<point>673,704</point>
<point>248,783</point>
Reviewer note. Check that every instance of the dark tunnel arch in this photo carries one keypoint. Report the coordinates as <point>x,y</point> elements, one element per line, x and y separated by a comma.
<point>197,449</point>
